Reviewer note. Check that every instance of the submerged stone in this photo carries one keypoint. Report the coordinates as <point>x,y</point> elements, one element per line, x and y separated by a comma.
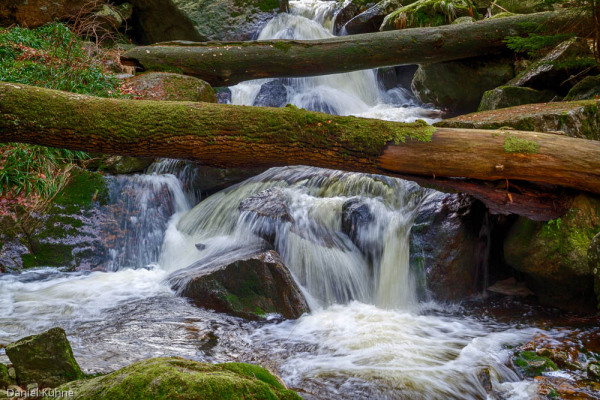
<point>179,379</point>
<point>246,283</point>
<point>45,359</point>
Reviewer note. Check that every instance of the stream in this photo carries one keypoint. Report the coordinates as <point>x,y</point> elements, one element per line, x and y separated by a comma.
<point>370,335</point>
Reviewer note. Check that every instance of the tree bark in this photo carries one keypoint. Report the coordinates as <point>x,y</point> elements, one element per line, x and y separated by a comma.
<point>237,136</point>
<point>228,63</point>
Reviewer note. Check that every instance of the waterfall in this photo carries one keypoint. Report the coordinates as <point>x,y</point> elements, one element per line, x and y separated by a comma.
<point>370,265</point>
<point>355,93</point>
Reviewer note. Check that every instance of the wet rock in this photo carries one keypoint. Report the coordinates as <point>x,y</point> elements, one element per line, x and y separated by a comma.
<point>443,244</point>
<point>179,379</point>
<point>392,77</point>
<point>200,246</point>
<point>45,359</point>
<point>371,19</point>
<point>557,387</point>
<point>554,70</point>
<point>348,11</point>
<point>271,94</point>
<point>209,180</point>
<point>530,364</point>
<point>356,218</point>
<point>587,88</point>
<point>428,13</point>
<point>510,96</point>
<point>246,283</point>
<point>554,254</point>
<point>266,212</point>
<point>35,13</point>
<point>170,87</point>
<point>458,86</point>
<point>577,119</point>
<point>5,380</point>
<point>510,287</point>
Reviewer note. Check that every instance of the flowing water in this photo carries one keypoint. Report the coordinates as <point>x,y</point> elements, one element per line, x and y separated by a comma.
<point>368,336</point>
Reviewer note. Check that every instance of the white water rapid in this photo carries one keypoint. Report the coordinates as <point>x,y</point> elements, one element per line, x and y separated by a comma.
<point>368,336</point>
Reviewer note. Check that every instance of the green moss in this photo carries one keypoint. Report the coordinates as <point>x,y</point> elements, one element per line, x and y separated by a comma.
<point>514,144</point>
<point>84,188</point>
<point>533,365</point>
<point>429,13</point>
<point>178,379</point>
<point>285,46</point>
<point>47,255</point>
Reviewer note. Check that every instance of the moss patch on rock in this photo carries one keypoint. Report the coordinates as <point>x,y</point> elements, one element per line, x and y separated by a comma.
<point>554,254</point>
<point>46,359</point>
<point>533,365</point>
<point>170,87</point>
<point>428,13</point>
<point>175,378</point>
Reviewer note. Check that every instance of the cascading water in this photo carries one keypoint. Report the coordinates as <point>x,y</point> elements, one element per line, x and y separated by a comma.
<point>367,335</point>
<point>355,93</point>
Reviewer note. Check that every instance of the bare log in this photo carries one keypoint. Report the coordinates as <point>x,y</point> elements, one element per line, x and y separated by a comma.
<point>228,63</point>
<point>237,136</point>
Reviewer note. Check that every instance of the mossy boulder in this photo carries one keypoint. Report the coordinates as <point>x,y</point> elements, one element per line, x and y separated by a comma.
<point>510,96</point>
<point>46,359</point>
<point>554,254</point>
<point>531,365</point>
<point>179,379</point>
<point>428,13</point>
<point>170,87</point>
<point>246,283</point>
<point>577,119</point>
<point>516,6</point>
<point>5,380</point>
<point>458,86</point>
<point>587,88</point>
<point>594,264</point>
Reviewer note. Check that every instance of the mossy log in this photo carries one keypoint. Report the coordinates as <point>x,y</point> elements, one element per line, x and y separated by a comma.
<point>237,136</point>
<point>228,63</point>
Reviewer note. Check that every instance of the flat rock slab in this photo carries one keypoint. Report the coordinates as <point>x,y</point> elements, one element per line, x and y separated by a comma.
<point>575,118</point>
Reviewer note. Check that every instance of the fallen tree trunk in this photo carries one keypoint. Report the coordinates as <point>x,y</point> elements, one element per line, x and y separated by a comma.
<point>228,63</point>
<point>237,136</point>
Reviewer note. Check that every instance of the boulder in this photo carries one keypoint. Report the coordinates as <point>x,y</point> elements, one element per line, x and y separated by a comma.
<point>458,86</point>
<point>587,88</point>
<point>45,359</point>
<point>393,77</point>
<point>35,13</point>
<point>510,96</point>
<point>443,245</point>
<point>228,20</point>
<point>428,13</point>
<point>179,379</point>
<point>266,212</point>
<point>246,283</point>
<point>170,87</point>
<point>356,218</point>
<point>577,119</point>
<point>554,254</point>
<point>371,19</point>
<point>554,69</point>
<point>271,94</point>
<point>594,264</point>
